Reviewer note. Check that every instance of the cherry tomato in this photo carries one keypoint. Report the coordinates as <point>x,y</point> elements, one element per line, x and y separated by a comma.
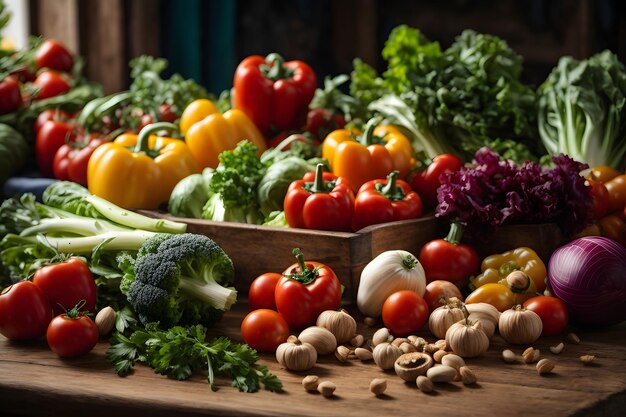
<point>613,227</point>
<point>600,196</point>
<point>301,303</point>
<point>51,114</point>
<point>24,311</point>
<point>320,122</point>
<point>553,313</point>
<point>65,284</point>
<point>54,55</point>
<point>261,292</point>
<point>448,261</point>
<point>49,84</point>
<point>167,113</point>
<point>438,291</point>
<point>405,312</point>
<point>51,136</point>
<point>617,193</point>
<point>10,95</point>
<point>426,181</point>
<point>72,334</point>
<point>264,330</point>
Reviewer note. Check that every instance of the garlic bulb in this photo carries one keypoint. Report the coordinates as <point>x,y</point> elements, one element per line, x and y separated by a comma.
<point>488,326</point>
<point>385,355</point>
<point>389,272</point>
<point>443,317</point>
<point>321,338</point>
<point>340,323</point>
<point>484,310</point>
<point>467,339</point>
<point>296,356</point>
<point>520,326</point>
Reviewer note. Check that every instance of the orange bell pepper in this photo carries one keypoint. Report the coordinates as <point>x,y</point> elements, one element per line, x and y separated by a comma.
<point>372,155</point>
<point>209,132</point>
<point>140,171</point>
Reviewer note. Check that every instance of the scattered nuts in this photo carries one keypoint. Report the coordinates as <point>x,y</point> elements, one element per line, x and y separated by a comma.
<point>587,359</point>
<point>378,386</point>
<point>342,353</point>
<point>385,355</point>
<point>400,340</point>
<point>467,376</point>
<point>382,335</point>
<point>545,366</point>
<point>310,382</point>
<point>424,384</point>
<point>557,349</point>
<point>437,356</point>
<point>370,321</point>
<point>357,341</point>
<point>453,360</point>
<point>105,320</point>
<point>363,354</point>
<point>442,344</point>
<point>410,365</point>
<point>441,373</point>
<point>418,342</point>
<point>407,347</point>
<point>326,388</point>
<point>573,338</point>
<point>430,348</point>
<point>531,355</point>
<point>509,356</point>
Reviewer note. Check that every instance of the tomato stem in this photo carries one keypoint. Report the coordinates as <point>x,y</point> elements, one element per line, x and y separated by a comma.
<point>305,275</point>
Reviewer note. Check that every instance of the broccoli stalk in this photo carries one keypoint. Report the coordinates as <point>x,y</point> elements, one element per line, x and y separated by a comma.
<point>181,279</point>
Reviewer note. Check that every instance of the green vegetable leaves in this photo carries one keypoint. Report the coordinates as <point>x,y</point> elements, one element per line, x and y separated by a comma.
<point>582,110</point>
<point>180,352</point>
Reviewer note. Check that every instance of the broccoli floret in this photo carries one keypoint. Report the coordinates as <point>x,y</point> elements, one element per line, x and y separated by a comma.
<point>182,279</point>
<point>126,264</point>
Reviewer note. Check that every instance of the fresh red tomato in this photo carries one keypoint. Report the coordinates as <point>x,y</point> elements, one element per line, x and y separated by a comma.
<point>553,313</point>
<point>51,114</point>
<point>72,334</point>
<point>405,312</point>
<point>10,95</point>
<point>262,289</point>
<point>65,284</point>
<point>167,113</point>
<point>50,84</point>
<point>320,122</point>
<point>438,291</point>
<point>54,55</point>
<point>600,196</point>
<point>426,181</point>
<point>71,160</point>
<point>264,330</point>
<point>449,260</point>
<point>51,136</point>
<point>305,291</point>
<point>24,311</point>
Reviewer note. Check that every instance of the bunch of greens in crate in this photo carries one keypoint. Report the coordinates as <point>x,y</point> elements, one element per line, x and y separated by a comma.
<point>582,110</point>
<point>455,100</point>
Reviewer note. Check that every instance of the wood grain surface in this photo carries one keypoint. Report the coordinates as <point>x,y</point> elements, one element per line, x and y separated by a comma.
<point>33,381</point>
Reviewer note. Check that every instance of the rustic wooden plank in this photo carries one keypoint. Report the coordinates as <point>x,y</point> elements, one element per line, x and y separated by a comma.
<point>144,29</point>
<point>58,19</point>
<point>34,379</point>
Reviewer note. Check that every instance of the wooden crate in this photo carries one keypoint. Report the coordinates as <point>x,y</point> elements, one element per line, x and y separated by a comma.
<point>258,249</point>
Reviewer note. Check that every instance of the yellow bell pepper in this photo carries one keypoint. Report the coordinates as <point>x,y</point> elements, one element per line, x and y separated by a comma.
<point>372,155</point>
<point>209,132</point>
<point>140,171</point>
<point>495,268</point>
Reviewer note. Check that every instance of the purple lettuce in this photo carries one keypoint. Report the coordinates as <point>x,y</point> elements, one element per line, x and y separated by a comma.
<point>493,192</point>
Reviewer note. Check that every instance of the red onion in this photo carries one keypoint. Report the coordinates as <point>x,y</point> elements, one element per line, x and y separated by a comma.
<point>589,275</point>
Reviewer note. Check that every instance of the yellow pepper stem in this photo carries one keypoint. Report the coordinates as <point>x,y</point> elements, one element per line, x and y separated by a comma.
<point>143,145</point>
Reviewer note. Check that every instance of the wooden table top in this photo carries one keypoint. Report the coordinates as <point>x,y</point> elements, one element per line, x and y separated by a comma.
<point>33,381</point>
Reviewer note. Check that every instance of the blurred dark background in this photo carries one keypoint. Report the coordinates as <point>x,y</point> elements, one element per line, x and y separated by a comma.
<point>205,40</point>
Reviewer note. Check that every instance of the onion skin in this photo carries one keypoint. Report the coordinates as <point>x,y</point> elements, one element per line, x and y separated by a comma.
<point>589,275</point>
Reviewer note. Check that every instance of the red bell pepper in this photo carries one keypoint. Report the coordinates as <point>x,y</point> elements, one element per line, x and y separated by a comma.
<point>305,290</point>
<point>385,200</point>
<point>320,201</point>
<point>273,93</point>
<point>71,159</point>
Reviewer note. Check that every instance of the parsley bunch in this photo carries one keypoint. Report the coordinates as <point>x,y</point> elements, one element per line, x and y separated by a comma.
<point>179,352</point>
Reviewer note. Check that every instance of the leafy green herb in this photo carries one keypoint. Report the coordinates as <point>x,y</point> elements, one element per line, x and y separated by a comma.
<point>180,352</point>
